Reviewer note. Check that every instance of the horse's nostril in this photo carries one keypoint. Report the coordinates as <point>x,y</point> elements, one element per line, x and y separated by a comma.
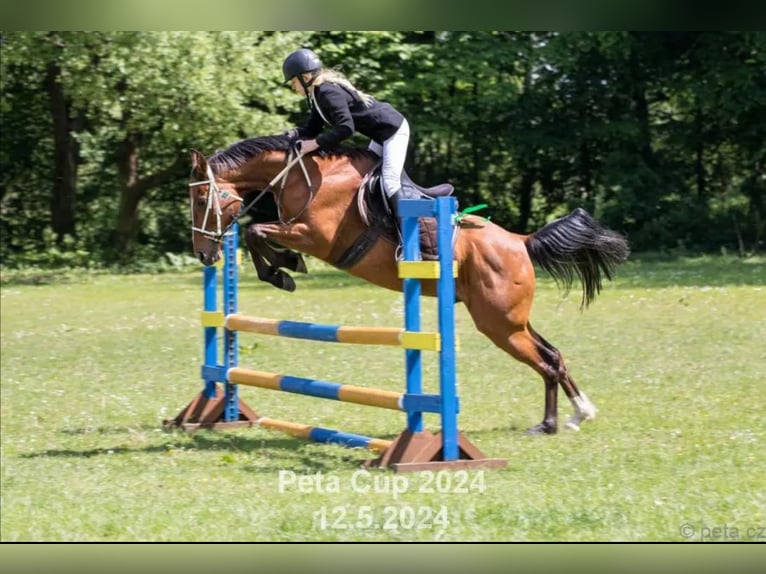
<point>201,256</point>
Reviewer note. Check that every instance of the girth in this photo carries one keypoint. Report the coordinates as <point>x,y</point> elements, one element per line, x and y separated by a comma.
<point>358,249</point>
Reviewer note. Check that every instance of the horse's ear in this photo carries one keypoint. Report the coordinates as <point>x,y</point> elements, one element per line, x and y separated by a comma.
<point>199,162</point>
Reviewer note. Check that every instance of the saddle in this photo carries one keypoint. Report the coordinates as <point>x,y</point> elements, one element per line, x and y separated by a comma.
<point>409,186</point>
<point>376,213</point>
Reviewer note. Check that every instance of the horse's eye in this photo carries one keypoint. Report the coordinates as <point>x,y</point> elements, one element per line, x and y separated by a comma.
<point>201,202</point>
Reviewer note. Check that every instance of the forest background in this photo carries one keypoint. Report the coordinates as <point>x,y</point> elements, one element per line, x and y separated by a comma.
<point>659,134</point>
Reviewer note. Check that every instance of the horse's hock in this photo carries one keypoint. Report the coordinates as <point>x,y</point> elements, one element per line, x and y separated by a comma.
<point>219,406</point>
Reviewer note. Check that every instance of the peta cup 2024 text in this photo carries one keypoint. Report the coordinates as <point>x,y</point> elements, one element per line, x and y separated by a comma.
<point>366,482</point>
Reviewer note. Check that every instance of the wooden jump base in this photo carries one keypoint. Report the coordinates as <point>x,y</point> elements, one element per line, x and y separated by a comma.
<point>219,406</point>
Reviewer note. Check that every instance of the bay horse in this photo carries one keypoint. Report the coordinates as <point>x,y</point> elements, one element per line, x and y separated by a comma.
<point>316,198</point>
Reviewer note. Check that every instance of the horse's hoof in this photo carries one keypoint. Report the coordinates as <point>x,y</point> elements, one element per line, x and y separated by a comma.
<point>300,265</point>
<point>282,281</point>
<point>573,424</point>
<point>288,284</point>
<point>540,429</point>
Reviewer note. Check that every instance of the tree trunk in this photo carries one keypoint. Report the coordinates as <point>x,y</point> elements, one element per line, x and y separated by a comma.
<point>127,215</point>
<point>132,190</point>
<point>754,191</point>
<point>585,172</point>
<point>65,157</point>
<point>526,168</point>
<point>699,154</point>
<point>641,107</point>
<point>525,200</point>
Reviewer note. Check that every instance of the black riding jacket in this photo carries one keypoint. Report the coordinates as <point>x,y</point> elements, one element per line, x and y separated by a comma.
<point>345,113</point>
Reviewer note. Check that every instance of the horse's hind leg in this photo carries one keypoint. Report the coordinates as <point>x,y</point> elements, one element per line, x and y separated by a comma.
<point>584,410</point>
<point>526,345</point>
<point>522,345</point>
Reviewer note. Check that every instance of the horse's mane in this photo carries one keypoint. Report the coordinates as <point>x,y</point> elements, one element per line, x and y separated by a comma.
<point>243,151</point>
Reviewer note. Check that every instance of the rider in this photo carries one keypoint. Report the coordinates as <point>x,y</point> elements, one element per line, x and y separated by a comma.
<point>334,101</point>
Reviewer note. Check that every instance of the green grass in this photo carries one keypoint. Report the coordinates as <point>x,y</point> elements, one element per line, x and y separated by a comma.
<point>671,353</point>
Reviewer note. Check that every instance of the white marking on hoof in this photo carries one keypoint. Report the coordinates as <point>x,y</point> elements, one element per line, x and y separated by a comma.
<point>584,411</point>
<point>587,408</point>
<point>572,424</point>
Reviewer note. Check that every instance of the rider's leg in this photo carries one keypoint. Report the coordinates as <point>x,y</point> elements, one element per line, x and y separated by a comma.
<point>394,153</point>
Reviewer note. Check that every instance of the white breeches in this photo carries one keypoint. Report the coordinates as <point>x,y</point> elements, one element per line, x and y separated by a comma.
<point>394,152</point>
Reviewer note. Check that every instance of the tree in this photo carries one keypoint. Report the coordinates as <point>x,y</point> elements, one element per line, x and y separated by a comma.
<point>660,135</point>
<point>130,105</point>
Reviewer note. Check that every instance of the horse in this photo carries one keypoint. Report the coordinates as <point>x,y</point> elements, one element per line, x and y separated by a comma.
<point>316,196</point>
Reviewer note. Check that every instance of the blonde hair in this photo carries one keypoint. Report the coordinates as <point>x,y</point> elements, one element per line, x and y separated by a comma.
<point>337,77</point>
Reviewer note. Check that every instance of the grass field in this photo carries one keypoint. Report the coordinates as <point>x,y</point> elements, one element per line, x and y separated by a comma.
<point>672,353</point>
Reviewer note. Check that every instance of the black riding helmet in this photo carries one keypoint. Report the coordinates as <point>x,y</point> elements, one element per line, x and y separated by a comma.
<point>301,62</point>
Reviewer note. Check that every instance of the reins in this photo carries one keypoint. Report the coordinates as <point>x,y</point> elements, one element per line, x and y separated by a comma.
<point>282,188</point>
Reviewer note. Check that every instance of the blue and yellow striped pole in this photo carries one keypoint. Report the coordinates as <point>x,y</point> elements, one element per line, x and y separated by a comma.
<point>325,435</point>
<point>316,331</point>
<point>391,336</point>
<point>316,388</point>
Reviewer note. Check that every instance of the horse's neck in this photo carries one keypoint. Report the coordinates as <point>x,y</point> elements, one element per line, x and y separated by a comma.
<point>333,182</point>
<point>256,174</point>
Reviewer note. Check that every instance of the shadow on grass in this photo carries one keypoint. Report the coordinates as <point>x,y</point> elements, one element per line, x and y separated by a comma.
<point>265,454</point>
<point>274,453</point>
<point>260,455</point>
<point>275,450</point>
<point>108,430</point>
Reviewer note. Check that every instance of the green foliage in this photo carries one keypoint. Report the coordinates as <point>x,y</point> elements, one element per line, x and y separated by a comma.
<point>660,134</point>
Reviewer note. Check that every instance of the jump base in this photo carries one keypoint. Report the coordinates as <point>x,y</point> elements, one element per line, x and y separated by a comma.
<point>413,452</point>
<point>207,413</point>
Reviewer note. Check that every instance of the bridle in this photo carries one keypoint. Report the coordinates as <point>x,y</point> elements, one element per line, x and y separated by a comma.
<point>213,205</point>
<point>215,195</point>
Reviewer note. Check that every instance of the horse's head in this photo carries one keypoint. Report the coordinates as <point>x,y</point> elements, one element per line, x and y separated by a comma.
<point>214,205</point>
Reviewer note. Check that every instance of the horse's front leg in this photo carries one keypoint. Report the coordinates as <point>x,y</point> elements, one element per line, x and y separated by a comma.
<point>283,257</point>
<point>267,261</point>
<point>296,236</point>
<point>267,270</point>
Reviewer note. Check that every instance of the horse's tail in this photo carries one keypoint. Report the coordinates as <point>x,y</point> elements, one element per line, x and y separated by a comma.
<point>577,244</point>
